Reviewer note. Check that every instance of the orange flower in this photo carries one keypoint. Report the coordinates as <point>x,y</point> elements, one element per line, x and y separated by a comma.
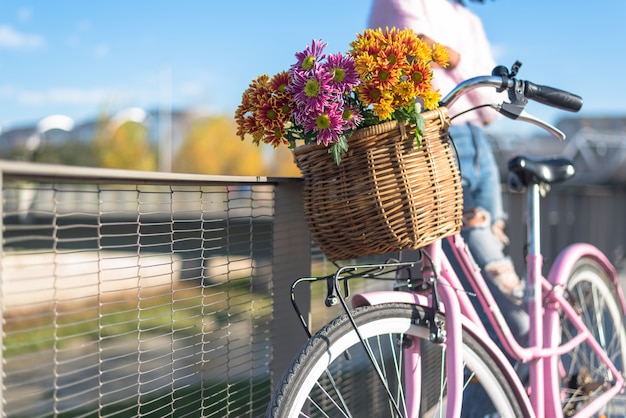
<point>264,110</point>
<point>394,66</point>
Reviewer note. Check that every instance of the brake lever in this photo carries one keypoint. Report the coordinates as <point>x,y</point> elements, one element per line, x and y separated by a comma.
<point>517,112</point>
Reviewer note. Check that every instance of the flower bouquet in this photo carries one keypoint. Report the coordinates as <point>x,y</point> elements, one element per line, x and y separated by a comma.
<point>323,98</point>
<point>369,138</point>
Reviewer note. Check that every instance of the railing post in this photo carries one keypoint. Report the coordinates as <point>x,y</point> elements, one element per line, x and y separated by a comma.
<point>2,301</point>
<point>291,259</point>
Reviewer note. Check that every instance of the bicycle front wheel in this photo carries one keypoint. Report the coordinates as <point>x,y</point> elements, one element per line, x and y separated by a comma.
<point>333,377</point>
<point>585,376</point>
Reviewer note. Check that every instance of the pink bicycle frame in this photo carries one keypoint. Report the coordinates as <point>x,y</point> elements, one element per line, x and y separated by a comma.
<point>543,349</point>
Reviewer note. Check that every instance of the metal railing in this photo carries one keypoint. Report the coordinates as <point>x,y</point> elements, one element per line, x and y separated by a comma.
<point>145,294</point>
<point>157,294</point>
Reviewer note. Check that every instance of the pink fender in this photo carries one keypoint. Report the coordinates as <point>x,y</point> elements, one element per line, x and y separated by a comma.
<point>563,265</point>
<point>386,296</point>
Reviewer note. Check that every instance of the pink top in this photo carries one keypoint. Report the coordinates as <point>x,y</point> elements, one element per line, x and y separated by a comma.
<point>455,26</point>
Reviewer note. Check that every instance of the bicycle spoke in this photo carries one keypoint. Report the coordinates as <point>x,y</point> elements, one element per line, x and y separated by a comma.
<point>344,407</point>
<point>587,376</point>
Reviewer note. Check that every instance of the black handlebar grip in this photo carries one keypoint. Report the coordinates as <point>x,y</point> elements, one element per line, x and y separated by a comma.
<point>553,97</point>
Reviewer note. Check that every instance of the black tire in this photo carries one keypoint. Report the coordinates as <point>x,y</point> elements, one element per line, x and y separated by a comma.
<point>585,377</point>
<point>385,328</point>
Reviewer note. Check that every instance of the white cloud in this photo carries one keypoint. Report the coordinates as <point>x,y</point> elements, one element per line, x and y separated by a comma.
<point>30,97</point>
<point>101,50</point>
<point>10,38</point>
<point>77,96</point>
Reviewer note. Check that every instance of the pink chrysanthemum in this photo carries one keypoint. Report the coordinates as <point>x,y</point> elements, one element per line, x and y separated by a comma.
<point>307,59</point>
<point>352,116</point>
<point>311,90</point>
<point>328,124</point>
<point>345,76</point>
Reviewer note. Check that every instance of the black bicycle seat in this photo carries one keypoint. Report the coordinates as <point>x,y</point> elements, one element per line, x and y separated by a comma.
<point>541,170</point>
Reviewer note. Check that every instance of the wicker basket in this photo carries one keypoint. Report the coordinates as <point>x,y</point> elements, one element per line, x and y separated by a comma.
<point>388,193</point>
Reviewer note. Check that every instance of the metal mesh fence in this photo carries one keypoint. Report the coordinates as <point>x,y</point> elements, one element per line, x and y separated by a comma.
<point>136,300</point>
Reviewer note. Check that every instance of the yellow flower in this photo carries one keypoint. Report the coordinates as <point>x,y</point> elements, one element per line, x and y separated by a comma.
<point>441,55</point>
<point>404,93</point>
<point>394,67</point>
<point>364,64</point>
<point>384,107</point>
<point>431,99</point>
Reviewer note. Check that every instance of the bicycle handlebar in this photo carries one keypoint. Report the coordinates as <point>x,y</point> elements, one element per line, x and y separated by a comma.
<point>519,91</point>
<point>553,97</point>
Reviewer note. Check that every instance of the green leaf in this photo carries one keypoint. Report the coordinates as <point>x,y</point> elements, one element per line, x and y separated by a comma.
<point>420,126</point>
<point>401,115</point>
<point>338,149</point>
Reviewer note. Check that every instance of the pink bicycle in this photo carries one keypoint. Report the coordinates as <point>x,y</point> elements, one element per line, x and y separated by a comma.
<point>423,350</point>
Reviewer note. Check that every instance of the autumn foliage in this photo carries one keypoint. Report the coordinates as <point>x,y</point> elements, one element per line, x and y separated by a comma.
<point>212,146</point>
<point>125,147</point>
<point>204,145</point>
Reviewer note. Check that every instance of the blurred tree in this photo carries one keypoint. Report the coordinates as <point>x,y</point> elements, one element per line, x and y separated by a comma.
<point>124,145</point>
<point>212,147</point>
<point>282,164</point>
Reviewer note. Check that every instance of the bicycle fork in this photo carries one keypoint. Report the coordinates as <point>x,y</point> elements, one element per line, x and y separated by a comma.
<point>452,337</point>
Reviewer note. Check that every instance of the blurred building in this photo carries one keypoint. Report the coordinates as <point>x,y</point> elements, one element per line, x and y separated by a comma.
<point>596,145</point>
<point>17,143</point>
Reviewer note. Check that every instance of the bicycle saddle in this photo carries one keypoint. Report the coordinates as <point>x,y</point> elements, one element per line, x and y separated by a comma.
<point>526,170</point>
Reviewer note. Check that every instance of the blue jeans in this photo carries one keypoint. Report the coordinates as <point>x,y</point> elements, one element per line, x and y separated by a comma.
<point>481,190</point>
<point>479,171</point>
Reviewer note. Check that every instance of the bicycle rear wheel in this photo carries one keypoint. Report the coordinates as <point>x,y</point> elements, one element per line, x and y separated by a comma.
<point>332,376</point>
<point>585,377</point>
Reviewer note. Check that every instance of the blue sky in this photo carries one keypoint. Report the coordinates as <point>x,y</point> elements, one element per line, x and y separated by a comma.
<point>80,58</point>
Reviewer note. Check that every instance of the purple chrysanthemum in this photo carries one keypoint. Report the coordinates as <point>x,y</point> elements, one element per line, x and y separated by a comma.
<point>352,116</point>
<point>310,56</point>
<point>345,76</point>
<point>327,124</point>
<point>311,90</point>
<point>317,85</point>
